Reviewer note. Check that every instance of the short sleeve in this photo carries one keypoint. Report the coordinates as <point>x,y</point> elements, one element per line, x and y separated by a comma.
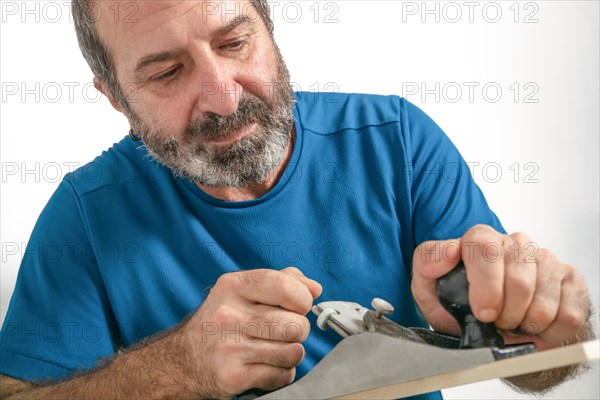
<point>446,200</point>
<point>59,319</point>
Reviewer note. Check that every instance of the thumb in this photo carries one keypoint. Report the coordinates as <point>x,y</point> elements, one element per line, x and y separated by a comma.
<point>432,260</point>
<point>315,287</point>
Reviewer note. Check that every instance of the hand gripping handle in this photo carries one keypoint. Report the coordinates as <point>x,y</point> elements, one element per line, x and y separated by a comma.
<point>452,291</point>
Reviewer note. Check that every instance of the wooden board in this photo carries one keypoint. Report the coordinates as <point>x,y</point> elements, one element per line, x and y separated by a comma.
<point>560,357</point>
<point>376,366</point>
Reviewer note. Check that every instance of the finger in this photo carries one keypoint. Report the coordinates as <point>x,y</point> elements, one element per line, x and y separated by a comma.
<point>482,255</point>
<point>519,283</point>
<point>315,287</point>
<point>547,296</point>
<point>432,260</point>
<point>267,377</point>
<point>274,288</point>
<point>274,323</point>
<point>276,354</point>
<point>572,310</point>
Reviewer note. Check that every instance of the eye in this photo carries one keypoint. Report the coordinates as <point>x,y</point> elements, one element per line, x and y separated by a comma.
<point>168,75</point>
<point>235,45</point>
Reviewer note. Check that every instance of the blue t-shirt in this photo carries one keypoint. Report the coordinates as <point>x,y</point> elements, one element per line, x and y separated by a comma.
<point>124,250</point>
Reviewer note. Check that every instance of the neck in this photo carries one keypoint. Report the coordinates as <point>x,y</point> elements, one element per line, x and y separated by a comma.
<point>257,189</point>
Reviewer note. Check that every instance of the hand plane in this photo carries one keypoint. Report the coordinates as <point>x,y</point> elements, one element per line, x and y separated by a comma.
<point>379,359</point>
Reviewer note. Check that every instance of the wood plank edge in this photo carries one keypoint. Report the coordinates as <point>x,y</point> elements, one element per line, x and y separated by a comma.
<point>539,361</point>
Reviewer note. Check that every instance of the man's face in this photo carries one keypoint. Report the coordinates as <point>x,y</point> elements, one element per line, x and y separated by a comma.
<point>205,85</point>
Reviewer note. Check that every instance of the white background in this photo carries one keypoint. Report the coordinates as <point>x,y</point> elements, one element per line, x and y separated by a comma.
<point>550,49</point>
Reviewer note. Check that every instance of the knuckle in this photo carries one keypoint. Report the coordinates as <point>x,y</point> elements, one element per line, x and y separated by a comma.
<point>304,329</point>
<point>520,238</point>
<point>290,292</point>
<point>477,230</point>
<point>295,331</point>
<point>268,317</point>
<point>293,270</point>
<point>282,285</point>
<point>226,282</point>
<point>224,314</point>
<point>571,273</point>
<point>257,277</point>
<point>542,315</point>
<point>571,318</point>
<point>480,228</point>
<point>231,378</point>
<point>546,256</point>
<point>507,244</point>
<point>520,284</point>
<point>530,328</point>
<point>305,305</point>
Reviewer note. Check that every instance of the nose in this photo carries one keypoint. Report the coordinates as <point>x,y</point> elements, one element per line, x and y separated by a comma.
<point>218,92</point>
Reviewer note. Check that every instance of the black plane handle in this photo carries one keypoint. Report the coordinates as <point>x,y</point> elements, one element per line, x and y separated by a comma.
<point>452,291</point>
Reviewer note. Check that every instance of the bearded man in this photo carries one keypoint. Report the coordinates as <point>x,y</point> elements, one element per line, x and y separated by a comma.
<point>226,178</point>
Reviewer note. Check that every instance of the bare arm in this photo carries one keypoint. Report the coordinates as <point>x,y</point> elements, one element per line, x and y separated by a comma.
<point>544,381</point>
<point>211,354</point>
<point>153,371</point>
<point>10,386</point>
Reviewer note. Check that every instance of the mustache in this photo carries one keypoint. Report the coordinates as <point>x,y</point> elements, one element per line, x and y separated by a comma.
<point>217,127</point>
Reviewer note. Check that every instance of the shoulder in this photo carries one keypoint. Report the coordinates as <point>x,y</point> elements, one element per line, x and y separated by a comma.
<point>333,112</point>
<point>328,113</point>
<point>123,163</point>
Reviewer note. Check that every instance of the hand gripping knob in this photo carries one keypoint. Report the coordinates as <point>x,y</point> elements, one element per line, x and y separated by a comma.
<point>452,291</point>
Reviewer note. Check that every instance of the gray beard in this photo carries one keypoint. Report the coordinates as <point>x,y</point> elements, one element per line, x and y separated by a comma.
<point>247,161</point>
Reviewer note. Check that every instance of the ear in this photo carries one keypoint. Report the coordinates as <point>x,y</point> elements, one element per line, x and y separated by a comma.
<point>102,86</point>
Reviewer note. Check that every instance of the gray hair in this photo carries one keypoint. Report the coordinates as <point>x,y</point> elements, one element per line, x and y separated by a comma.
<point>98,56</point>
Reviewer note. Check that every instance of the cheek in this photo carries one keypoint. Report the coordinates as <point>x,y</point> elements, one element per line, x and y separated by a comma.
<point>259,75</point>
<point>170,115</point>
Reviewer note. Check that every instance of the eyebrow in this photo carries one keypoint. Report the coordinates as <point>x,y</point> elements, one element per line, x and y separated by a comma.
<point>234,23</point>
<point>145,61</point>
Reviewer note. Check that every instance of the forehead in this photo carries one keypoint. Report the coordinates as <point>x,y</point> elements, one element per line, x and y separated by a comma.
<point>129,28</point>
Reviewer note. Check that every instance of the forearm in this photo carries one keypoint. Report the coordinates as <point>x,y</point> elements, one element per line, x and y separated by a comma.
<point>544,381</point>
<point>151,371</point>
